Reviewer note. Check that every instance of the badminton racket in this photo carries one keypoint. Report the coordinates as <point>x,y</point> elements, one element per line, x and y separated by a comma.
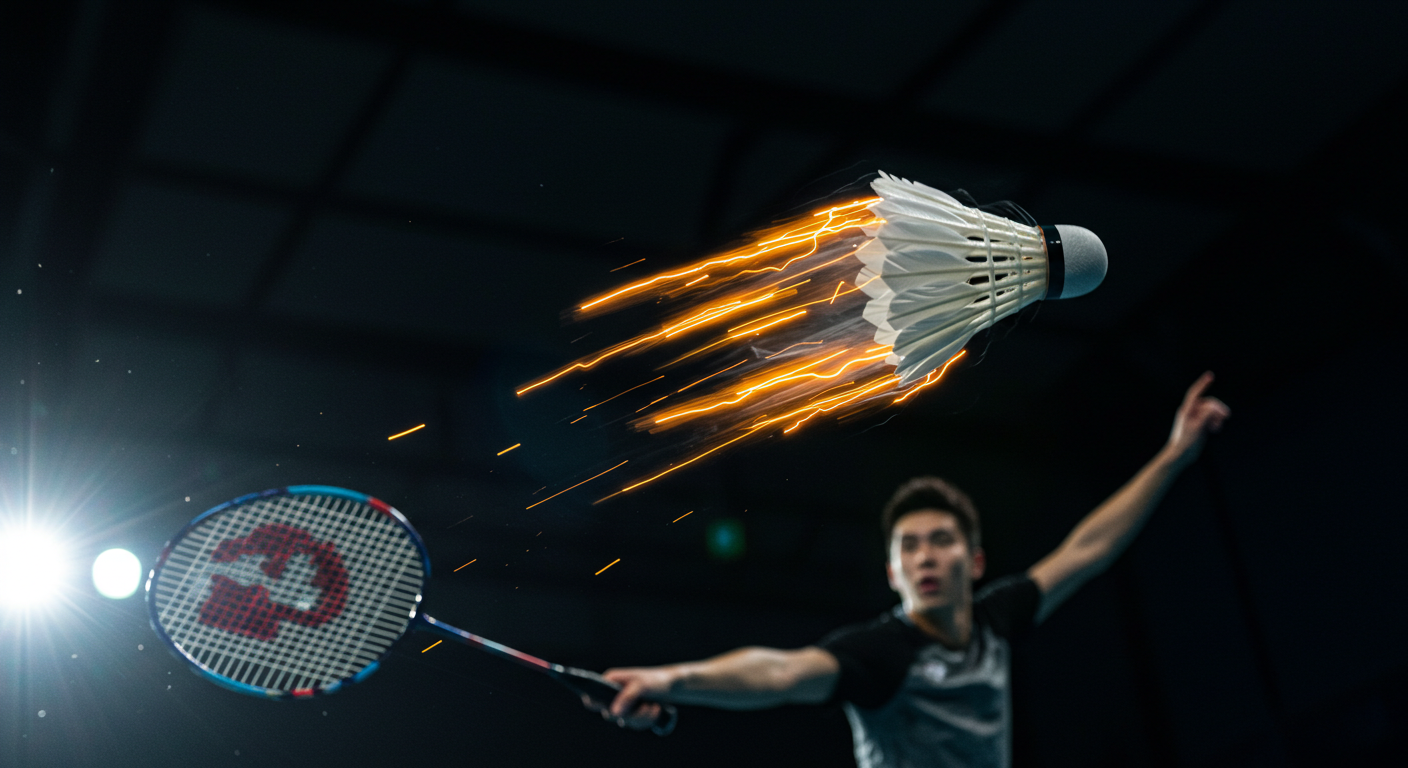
<point>296,592</point>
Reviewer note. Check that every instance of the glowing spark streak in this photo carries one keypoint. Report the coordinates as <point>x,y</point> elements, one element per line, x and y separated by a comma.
<point>471,562</point>
<point>712,375</point>
<point>681,517</point>
<point>744,394</point>
<point>783,240</point>
<point>834,403</point>
<point>931,378</point>
<point>848,206</point>
<point>623,266</point>
<point>839,285</point>
<point>652,402</point>
<point>613,397</point>
<point>574,421</point>
<point>506,450</point>
<point>432,645</point>
<point>584,482</point>
<point>798,344</point>
<point>768,325</point>
<point>823,265</point>
<point>407,432</point>
<point>695,280</point>
<point>681,465</point>
<point>608,565</point>
<point>832,375</point>
<point>692,322</point>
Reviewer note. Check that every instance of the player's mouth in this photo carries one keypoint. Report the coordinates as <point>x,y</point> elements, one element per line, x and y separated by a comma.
<point>928,585</point>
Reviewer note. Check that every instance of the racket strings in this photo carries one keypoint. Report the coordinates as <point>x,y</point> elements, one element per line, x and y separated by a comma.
<point>257,642</point>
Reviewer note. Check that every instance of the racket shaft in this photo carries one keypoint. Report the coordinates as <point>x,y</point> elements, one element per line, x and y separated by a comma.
<point>434,626</point>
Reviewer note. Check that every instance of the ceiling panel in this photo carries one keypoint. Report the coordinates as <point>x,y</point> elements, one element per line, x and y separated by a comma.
<point>858,49</point>
<point>258,99</point>
<point>1050,60</point>
<point>1267,82</point>
<point>535,153</point>
<point>184,246</point>
<point>374,276</point>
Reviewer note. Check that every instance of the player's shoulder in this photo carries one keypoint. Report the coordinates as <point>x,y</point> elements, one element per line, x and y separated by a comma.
<point>1008,604</point>
<point>887,629</point>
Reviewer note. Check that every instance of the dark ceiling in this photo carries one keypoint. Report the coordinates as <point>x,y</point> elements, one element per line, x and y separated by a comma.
<point>242,242</point>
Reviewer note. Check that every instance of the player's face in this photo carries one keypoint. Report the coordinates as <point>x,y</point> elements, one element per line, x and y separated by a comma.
<point>930,564</point>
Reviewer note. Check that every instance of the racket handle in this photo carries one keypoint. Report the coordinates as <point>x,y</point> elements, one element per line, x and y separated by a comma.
<point>589,683</point>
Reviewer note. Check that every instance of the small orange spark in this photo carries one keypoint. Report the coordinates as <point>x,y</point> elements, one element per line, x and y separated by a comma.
<point>608,565</point>
<point>407,432</point>
<point>432,645</point>
<point>632,389</point>
<point>695,280</point>
<point>579,418</point>
<point>506,450</point>
<point>623,266</point>
<point>681,465</point>
<point>475,560</point>
<point>681,517</point>
<point>565,490</point>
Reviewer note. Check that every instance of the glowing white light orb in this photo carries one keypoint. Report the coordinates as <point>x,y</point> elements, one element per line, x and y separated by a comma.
<point>31,567</point>
<point>116,573</point>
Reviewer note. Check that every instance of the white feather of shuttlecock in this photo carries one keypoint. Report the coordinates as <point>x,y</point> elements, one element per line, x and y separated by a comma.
<point>937,272</point>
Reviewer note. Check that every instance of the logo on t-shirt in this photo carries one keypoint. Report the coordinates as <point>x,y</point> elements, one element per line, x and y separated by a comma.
<point>275,574</point>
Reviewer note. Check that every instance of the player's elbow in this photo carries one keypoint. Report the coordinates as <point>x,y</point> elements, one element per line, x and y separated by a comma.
<point>805,676</point>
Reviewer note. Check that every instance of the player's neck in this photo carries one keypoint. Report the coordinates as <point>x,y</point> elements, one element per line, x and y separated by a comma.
<point>951,625</point>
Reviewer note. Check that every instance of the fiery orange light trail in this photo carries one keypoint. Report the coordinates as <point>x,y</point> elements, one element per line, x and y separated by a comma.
<point>506,450</point>
<point>623,266</point>
<point>681,517</point>
<point>584,482</point>
<point>790,237</point>
<point>795,287</point>
<point>471,562</point>
<point>608,565</point>
<point>574,421</point>
<point>432,645</point>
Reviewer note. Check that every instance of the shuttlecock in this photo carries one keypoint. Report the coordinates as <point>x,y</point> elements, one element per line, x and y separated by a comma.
<point>937,271</point>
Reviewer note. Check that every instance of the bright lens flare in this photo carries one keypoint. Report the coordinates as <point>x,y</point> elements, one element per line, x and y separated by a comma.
<point>755,341</point>
<point>31,567</point>
<point>116,573</point>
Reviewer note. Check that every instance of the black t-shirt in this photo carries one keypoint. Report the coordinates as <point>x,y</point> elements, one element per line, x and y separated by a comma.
<point>912,703</point>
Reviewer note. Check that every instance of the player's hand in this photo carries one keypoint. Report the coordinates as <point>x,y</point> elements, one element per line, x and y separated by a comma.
<point>627,709</point>
<point>1197,417</point>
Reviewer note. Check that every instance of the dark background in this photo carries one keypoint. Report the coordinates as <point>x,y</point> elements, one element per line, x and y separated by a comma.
<point>242,242</point>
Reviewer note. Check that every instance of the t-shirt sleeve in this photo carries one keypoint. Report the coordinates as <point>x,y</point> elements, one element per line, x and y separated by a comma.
<point>1010,604</point>
<point>874,660</point>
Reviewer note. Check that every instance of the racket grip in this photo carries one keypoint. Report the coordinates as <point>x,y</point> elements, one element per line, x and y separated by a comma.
<point>591,684</point>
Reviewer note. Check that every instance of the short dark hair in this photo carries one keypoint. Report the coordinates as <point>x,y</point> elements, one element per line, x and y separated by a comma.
<point>936,494</point>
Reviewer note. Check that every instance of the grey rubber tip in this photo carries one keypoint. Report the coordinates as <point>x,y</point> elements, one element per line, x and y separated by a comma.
<point>1086,261</point>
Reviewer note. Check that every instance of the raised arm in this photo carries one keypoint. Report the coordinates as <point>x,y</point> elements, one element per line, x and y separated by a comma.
<point>748,678</point>
<point>1104,533</point>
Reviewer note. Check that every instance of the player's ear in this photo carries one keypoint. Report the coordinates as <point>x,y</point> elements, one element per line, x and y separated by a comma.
<point>980,563</point>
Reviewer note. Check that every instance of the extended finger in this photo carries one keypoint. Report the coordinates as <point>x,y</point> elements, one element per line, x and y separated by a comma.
<point>1198,388</point>
<point>626,699</point>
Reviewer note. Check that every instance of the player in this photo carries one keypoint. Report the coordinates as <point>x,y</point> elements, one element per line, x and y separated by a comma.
<point>927,683</point>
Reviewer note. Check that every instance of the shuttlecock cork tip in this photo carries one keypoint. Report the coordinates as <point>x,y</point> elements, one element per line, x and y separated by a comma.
<point>1077,261</point>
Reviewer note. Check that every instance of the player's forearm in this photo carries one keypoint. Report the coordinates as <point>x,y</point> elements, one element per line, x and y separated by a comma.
<point>1108,530</point>
<point>751,678</point>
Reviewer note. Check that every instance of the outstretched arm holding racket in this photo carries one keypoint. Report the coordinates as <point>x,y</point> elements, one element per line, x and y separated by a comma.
<point>748,678</point>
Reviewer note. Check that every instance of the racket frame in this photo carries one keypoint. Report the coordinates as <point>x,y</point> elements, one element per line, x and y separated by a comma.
<point>292,490</point>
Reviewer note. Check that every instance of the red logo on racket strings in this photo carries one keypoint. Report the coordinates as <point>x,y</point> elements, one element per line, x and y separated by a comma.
<point>248,609</point>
